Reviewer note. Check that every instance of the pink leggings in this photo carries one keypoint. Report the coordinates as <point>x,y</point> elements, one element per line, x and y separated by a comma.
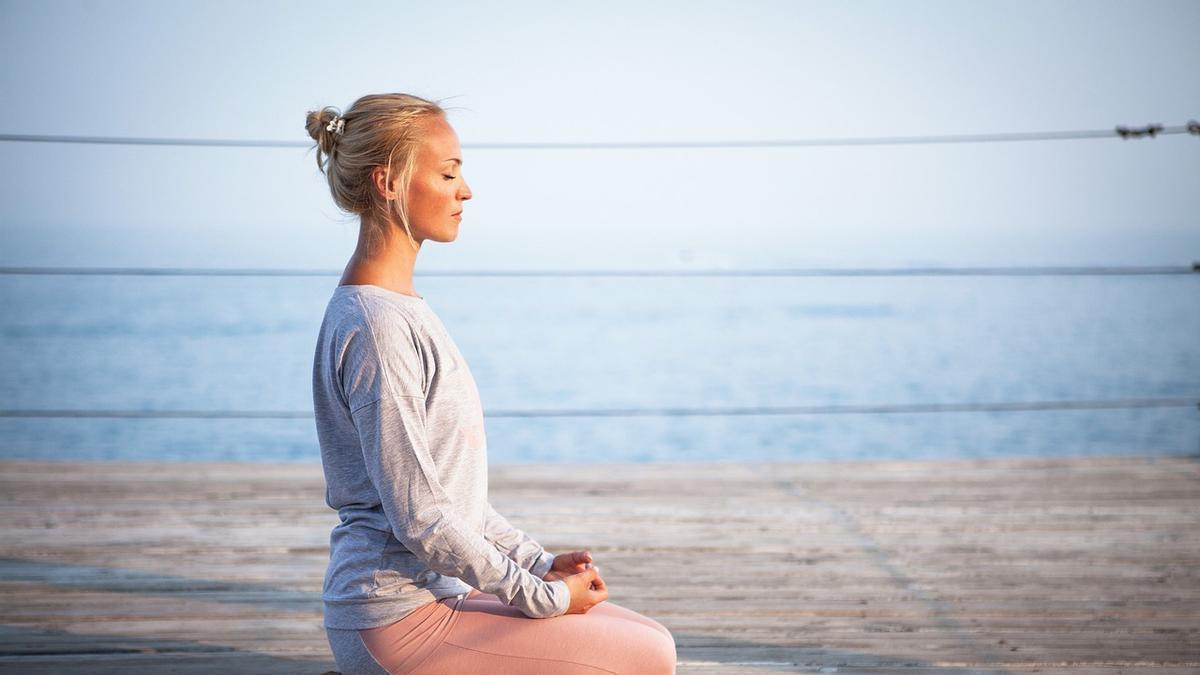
<point>480,634</point>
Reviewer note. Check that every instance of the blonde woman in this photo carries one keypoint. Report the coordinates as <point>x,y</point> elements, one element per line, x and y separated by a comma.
<point>424,575</point>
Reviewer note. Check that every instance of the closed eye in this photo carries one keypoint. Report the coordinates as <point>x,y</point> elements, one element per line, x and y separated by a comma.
<point>448,177</point>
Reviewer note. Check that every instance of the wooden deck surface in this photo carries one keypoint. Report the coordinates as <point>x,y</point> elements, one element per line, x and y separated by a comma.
<point>1081,565</point>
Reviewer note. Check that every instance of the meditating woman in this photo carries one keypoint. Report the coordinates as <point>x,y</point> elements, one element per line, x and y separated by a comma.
<point>424,575</point>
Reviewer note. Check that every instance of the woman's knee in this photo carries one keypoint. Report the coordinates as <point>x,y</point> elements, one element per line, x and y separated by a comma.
<point>660,628</point>
<point>647,649</point>
<point>651,645</point>
<point>611,609</point>
<point>664,651</point>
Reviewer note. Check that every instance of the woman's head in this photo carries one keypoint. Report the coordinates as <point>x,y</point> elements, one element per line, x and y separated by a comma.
<point>393,160</point>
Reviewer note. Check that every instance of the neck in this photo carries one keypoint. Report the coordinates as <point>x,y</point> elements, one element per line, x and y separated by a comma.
<point>387,262</point>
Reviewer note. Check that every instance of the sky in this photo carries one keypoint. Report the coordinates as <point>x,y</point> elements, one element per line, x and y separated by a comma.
<point>539,72</point>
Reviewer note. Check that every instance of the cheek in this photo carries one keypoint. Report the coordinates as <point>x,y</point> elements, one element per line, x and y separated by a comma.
<point>433,195</point>
<point>422,197</point>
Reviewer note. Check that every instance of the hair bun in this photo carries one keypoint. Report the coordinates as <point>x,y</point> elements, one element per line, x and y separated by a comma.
<point>317,124</point>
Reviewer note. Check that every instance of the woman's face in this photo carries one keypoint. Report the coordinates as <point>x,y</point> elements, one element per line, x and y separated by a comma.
<point>438,190</point>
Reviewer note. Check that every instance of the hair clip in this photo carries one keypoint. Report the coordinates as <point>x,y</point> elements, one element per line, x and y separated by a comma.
<point>337,125</point>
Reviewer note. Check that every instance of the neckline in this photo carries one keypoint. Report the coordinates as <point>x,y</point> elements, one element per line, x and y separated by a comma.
<point>380,289</point>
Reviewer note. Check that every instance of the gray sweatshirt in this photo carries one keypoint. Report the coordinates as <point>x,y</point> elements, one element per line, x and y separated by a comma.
<point>401,430</point>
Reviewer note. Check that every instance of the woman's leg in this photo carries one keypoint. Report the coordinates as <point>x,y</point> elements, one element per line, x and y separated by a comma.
<point>400,646</point>
<point>482,635</point>
<point>603,608</point>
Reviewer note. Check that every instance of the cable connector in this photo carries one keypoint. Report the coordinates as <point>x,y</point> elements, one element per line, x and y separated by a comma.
<point>1193,127</point>
<point>1151,130</point>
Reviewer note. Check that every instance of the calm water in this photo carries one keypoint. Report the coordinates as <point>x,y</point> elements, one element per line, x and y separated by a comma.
<point>246,344</point>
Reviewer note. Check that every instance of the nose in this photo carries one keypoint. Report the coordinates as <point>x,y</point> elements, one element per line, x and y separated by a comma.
<point>464,193</point>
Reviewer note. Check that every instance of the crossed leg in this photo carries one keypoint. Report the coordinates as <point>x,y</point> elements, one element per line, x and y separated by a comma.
<point>483,635</point>
<point>606,608</point>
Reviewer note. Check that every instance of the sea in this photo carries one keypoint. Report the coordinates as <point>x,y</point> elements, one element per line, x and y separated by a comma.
<point>625,369</point>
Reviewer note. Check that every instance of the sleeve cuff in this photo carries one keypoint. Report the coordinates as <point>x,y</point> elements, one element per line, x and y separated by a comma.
<point>562,596</point>
<point>543,565</point>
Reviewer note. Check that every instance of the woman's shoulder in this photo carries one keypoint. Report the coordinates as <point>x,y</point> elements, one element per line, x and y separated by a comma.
<point>376,340</point>
<point>376,307</point>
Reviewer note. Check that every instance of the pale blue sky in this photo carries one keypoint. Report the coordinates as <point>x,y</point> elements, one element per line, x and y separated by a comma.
<point>552,71</point>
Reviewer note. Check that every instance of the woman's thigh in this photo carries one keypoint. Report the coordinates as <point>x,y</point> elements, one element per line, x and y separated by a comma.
<point>480,634</point>
<point>607,608</point>
<point>488,636</point>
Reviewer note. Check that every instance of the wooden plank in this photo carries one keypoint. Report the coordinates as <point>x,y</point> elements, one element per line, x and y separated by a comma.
<point>1081,565</point>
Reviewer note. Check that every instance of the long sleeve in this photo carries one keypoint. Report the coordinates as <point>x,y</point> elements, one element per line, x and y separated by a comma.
<point>411,401</point>
<point>516,544</point>
<point>424,520</point>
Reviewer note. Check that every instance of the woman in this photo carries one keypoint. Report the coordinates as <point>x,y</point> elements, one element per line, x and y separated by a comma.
<point>424,575</point>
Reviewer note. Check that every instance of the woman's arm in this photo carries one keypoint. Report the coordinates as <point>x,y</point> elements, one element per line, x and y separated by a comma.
<point>516,544</point>
<point>383,368</point>
<point>423,518</point>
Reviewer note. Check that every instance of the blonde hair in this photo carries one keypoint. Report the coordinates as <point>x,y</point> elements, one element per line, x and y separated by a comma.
<point>378,130</point>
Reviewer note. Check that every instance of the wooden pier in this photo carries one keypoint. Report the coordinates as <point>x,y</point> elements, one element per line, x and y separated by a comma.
<point>1064,565</point>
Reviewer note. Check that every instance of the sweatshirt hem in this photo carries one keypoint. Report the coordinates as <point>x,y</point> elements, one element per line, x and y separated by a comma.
<point>376,612</point>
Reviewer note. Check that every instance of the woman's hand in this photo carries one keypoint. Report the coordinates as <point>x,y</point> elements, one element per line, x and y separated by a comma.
<point>587,590</point>
<point>566,564</point>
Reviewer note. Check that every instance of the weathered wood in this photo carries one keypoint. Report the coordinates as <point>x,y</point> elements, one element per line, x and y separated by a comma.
<point>1081,565</point>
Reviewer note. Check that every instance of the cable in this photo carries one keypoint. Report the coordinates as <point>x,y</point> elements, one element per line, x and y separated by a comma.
<point>1153,130</point>
<point>1027,406</point>
<point>129,140</point>
<point>1111,270</point>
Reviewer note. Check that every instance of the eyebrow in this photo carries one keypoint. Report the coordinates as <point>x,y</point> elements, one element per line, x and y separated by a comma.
<point>453,159</point>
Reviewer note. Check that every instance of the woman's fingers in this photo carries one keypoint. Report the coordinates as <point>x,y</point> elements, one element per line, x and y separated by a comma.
<point>599,588</point>
<point>575,561</point>
<point>581,560</point>
<point>587,590</point>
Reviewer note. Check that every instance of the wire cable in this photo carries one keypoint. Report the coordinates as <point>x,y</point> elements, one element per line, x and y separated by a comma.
<point>1152,130</point>
<point>1025,406</point>
<point>1109,270</point>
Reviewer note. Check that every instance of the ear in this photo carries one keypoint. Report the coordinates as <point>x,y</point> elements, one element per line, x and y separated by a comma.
<point>379,181</point>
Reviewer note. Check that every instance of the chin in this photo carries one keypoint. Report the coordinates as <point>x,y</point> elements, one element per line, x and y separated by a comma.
<point>442,236</point>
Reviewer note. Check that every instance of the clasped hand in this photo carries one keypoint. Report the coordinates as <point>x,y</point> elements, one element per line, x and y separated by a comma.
<point>582,578</point>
